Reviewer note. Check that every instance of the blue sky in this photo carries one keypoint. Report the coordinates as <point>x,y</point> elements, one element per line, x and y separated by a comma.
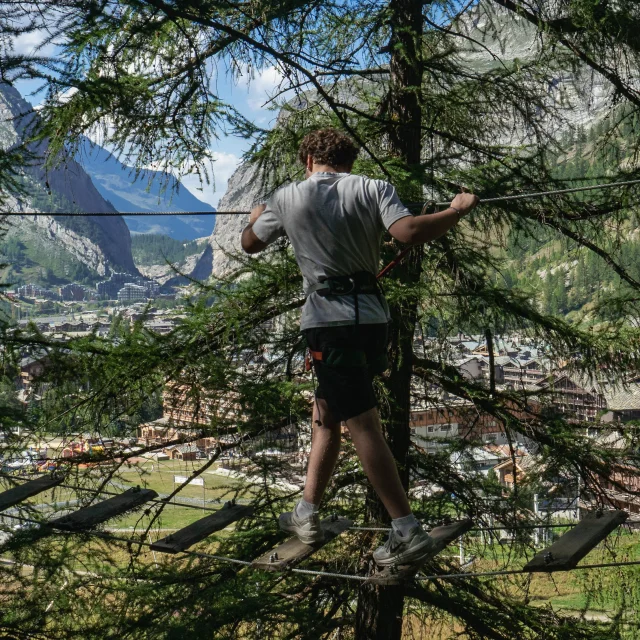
<point>248,95</point>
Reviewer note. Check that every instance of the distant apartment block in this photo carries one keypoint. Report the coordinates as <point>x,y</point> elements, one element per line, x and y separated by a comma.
<point>108,289</point>
<point>120,286</point>
<point>34,291</point>
<point>131,292</point>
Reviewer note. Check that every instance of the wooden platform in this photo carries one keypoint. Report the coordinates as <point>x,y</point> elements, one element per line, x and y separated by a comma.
<point>292,552</point>
<point>96,514</point>
<point>199,530</point>
<point>569,549</point>
<point>15,495</point>
<point>443,536</point>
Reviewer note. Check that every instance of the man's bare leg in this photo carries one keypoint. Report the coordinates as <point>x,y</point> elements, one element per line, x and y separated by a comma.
<point>378,462</point>
<point>325,448</point>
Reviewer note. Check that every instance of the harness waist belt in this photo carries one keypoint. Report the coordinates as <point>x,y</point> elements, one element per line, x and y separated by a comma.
<point>359,282</point>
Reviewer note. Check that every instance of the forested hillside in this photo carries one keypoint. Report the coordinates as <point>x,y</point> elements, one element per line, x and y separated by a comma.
<point>152,248</point>
<point>53,250</point>
<point>31,256</point>
<point>563,278</point>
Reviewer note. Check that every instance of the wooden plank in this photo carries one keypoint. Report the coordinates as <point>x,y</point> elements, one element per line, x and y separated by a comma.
<point>443,536</point>
<point>292,551</point>
<point>569,549</point>
<point>16,495</point>
<point>102,511</point>
<point>199,530</point>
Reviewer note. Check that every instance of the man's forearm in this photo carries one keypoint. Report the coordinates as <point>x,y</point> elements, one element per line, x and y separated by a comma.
<point>432,226</point>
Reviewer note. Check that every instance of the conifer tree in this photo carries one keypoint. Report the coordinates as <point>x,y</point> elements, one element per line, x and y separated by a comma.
<point>393,75</point>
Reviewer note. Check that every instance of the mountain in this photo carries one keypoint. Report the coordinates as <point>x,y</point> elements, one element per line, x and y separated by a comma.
<point>147,192</point>
<point>243,190</point>
<point>51,250</point>
<point>158,256</point>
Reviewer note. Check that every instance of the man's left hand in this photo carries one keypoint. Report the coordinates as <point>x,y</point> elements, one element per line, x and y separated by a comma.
<point>256,212</point>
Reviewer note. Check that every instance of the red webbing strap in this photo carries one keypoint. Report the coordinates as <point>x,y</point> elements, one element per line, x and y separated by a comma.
<point>309,356</point>
<point>400,257</point>
<point>394,263</point>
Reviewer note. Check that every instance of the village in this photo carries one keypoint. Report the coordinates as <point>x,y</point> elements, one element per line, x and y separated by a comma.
<point>178,438</point>
<point>121,291</point>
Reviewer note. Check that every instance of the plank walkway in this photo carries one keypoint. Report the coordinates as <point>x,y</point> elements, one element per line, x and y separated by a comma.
<point>199,530</point>
<point>16,495</point>
<point>293,551</point>
<point>570,548</point>
<point>564,554</point>
<point>442,536</point>
<point>96,514</point>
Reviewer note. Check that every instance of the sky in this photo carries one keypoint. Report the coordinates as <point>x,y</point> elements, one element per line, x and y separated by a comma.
<point>248,95</point>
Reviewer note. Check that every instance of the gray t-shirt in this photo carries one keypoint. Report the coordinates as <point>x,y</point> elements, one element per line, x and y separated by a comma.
<point>335,223</point>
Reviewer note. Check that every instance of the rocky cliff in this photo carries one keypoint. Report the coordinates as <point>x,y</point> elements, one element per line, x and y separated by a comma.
<point>98,243</point>
<point>245,189</point>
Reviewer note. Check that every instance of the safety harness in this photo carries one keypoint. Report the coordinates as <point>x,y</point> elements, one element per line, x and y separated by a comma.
<point>361,282</point>
<point>353,285</point>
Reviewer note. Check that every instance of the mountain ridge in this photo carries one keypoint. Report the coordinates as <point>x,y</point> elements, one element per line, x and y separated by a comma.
<point>145,193</point>
<point>99,244</point>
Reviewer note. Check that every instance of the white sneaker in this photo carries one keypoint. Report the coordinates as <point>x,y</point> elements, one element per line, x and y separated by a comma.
<point>413,548</point>
<point>307,529</point>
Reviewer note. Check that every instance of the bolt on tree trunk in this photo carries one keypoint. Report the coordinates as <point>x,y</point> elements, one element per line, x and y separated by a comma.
<point>380,608</point>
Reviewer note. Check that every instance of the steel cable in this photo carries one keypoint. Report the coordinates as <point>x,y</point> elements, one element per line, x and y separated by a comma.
<point>411,205</point>
<point>327,574</point>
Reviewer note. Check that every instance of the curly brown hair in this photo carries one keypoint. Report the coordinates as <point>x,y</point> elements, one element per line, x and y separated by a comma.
<point>330,147</point>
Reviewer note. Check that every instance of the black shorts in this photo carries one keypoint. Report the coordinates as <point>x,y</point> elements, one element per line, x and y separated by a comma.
<point>351,356</point>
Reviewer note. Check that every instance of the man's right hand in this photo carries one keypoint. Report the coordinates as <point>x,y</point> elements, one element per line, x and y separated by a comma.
<point>465,203</point>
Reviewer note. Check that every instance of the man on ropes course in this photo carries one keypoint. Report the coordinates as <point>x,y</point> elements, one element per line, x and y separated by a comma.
<point>335,221</point>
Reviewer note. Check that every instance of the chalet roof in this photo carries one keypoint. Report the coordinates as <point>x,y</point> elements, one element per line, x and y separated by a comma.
<point>583,382</point>
<point>183,448</point>
<point>475,454</point>
<point>613,439</point>
<point>528,462</point>
<point>524,462</point>
<point>624,399</point>
<point>504,450</point>
<point>37,356</point>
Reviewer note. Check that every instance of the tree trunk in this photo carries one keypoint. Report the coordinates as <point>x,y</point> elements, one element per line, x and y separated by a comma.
<point>380,609</point>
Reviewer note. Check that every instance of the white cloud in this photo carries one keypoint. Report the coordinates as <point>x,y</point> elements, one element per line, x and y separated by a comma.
<point>27,43</point>
<point>220,170</point>
<point>261,85</point>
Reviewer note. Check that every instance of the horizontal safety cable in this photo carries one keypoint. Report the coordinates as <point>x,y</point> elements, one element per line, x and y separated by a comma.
<point>411,205</point>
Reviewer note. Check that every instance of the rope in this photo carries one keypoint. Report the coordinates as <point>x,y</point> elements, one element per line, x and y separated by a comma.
<point>556,192</point>
<point>412,205</point>
<point>112,214</point>
<point>520,527</point>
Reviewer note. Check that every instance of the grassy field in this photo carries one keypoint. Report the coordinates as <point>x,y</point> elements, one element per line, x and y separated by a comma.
<point>159,477</point>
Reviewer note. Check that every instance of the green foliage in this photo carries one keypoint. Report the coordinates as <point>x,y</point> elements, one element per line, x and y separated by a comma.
<point>566,277</point>
<point>31,258</point>
<point>152,248</point>
<point>143,70</point>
